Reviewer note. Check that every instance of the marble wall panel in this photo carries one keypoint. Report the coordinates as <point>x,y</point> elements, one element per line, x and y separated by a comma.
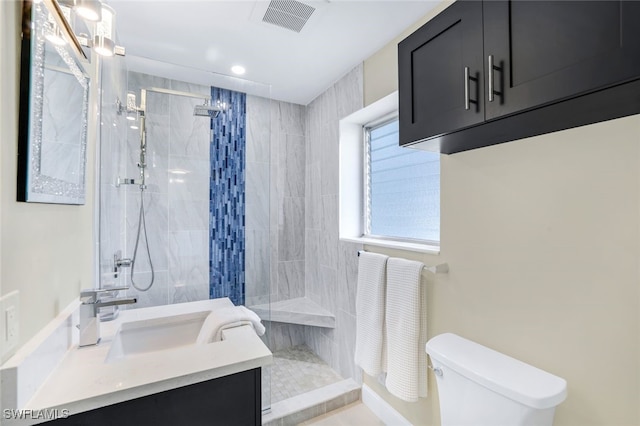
<point>312,264</point>
<point>329,159</point>
<point>328,253</point>
<point>258,129</point>
<point>331,266</point>
<point>349,92</point>
<point>157,295</point>
<point>292,160</point>
<point>285,336</point>
<point>347,276</point>
<point>291,229</point>
<point>156,219</point>
<point>290,283</point>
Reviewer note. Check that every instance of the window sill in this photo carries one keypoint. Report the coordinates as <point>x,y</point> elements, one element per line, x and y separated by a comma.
<point>400,245</point>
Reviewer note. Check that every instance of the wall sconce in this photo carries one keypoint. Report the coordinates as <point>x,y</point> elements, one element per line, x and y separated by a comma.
<point>103,15</point>
<point>91,10</point>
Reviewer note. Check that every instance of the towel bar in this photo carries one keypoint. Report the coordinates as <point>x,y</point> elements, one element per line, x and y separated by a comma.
<point>441,268</point>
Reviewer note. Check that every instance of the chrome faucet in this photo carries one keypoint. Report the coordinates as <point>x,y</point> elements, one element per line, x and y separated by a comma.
<point>89,319</point>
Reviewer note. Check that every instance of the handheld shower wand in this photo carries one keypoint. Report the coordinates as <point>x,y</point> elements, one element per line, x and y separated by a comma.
<point>142,225</point>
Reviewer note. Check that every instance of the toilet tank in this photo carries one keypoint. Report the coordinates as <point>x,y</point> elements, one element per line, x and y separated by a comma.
<point>478,386</point>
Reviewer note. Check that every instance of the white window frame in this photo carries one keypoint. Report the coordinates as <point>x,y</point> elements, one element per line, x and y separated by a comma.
<point>353,174</point>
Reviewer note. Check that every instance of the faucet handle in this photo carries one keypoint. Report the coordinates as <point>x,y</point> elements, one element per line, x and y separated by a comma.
<point>90,295</point>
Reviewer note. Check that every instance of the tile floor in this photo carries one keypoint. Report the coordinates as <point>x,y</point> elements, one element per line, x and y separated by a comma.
<point>297,370</point>
<point>356,414</point>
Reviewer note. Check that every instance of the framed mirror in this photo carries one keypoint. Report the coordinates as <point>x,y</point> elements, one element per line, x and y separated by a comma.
<point>54,99</point>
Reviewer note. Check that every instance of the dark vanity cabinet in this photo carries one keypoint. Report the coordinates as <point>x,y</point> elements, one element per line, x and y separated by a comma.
<point>482,73</point>
<point>228,400</point>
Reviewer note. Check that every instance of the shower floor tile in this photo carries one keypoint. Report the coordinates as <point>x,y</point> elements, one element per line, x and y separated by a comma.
<point>297,370</point>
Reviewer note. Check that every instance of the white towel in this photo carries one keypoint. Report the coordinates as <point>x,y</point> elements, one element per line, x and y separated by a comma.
<point>370,301</point>
<point>406,319</point>
<point>229,317</point>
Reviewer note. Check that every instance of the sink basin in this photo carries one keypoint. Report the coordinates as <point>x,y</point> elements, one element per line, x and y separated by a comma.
<point>157,334</point>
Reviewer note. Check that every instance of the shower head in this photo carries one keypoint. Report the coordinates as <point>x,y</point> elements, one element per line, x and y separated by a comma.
<point>206,110</point>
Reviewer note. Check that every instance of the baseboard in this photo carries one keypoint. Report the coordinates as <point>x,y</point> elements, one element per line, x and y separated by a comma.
<point>381,408</point>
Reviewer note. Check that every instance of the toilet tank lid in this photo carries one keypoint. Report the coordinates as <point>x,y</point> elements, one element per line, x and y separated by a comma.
<point>508,376</point>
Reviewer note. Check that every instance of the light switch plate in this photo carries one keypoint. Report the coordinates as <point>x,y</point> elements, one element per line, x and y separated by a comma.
<point>9,324</point>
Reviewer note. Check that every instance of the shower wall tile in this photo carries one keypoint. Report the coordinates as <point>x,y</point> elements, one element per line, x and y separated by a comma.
<point>187,130</point>
<point>187,215</point>
<point>346,342</point>
<point>184,86</point>
<point>290,280</point>
<point>156,214</point>
<point>191,187</point>
<point>177,206</point>
<point>324,347</point>
<point>190,166</point>
<point>157,295</point>
<point>284,336</point>
<point>312,265</point>
<point>291,230</point>
<point>349,92</point>
<point>182,293</point>
<point>137,81</point>
<point>313,198</point>
<point>227,190</point>
<point>189,248</point>
<point>257,266</point>
<point>257,195</point>
<point>331,266</point>
<point>258,129</point>
<point>329,106</point>
<point>287,118</point>
<point>313,132</point>
<point>292,163</point>
<point>329,159</point>
<point>188,266</point>
<point>328,253</point>
<point>327,286</point>
<point>347,276</point>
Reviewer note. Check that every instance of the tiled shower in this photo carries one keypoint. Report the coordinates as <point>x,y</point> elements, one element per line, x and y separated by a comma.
<point>291,247</point>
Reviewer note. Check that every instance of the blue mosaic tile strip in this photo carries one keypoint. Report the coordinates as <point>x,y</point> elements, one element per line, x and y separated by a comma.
<point>227,198</point>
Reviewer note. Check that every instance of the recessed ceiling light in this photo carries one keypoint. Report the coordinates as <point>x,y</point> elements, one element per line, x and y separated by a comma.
<point>238,69</point>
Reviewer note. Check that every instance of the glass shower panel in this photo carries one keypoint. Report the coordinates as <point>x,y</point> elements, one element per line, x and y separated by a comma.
<point>181,169</point>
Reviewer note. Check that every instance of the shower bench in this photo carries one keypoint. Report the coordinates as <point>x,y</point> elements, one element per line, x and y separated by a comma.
<point>300,310</point>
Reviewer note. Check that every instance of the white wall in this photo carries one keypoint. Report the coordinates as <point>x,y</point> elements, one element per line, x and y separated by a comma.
<point>46,250</point>
<point>542,236</point>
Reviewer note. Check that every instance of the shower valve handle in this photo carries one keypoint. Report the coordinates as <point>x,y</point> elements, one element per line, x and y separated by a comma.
<point>119,262</point>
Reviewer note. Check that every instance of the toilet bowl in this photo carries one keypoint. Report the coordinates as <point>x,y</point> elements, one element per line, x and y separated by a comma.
<point>478,386</point>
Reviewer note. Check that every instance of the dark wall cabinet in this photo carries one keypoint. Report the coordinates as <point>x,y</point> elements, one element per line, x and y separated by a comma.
<point>482,73</point>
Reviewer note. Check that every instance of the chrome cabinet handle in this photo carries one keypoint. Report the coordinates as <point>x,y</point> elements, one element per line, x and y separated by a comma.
<point>490,66</point>
<point>466,88</point>
<point>467,97</point>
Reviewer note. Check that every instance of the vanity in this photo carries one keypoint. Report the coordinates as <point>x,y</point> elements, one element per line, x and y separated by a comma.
<point>146,369</point>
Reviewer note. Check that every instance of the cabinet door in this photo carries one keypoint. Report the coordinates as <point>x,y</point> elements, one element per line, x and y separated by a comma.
<point>546,51</point>
<point>440,67</point>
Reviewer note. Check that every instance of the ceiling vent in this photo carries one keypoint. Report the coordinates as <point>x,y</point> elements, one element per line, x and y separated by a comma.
<point>289,14</point>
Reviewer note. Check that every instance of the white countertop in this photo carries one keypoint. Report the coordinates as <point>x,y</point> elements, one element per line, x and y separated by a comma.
<point>84,381</point>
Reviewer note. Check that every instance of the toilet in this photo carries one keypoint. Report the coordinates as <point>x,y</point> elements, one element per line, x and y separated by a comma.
<point>478,386</point>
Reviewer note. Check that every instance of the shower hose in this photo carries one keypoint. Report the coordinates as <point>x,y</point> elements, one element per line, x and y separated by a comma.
<point>141,225</point>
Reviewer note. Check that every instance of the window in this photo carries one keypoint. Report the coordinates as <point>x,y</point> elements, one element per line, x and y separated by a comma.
<point>402,187</point>
<point>389,196</point>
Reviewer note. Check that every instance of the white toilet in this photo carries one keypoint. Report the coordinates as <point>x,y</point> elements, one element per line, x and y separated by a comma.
<point>478,386</point>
